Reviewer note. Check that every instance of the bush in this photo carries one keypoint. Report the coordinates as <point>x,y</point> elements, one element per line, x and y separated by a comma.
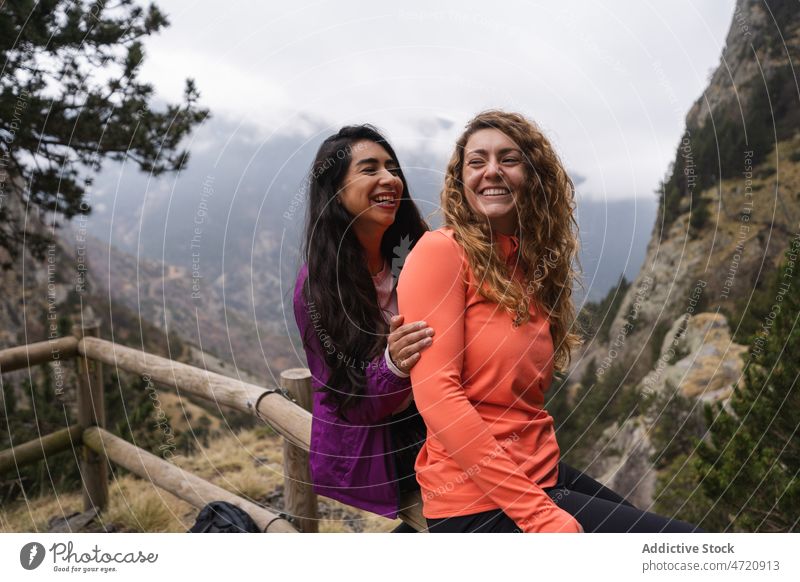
<point>47,413</point>
<point>601,401</point>
<point>750,465</point>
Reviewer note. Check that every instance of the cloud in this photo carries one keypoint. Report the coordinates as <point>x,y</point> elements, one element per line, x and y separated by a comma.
<point>593,75</point>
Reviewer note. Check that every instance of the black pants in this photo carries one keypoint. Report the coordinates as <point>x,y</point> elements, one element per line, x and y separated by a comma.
<point>595,507</point>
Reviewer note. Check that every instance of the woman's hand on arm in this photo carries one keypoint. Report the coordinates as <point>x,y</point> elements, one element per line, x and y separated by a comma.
<point>407,341</point>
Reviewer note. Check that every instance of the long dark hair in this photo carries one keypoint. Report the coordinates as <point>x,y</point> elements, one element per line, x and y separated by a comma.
<point>339,287</point>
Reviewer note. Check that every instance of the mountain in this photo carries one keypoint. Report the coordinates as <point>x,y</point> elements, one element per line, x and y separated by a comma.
<point>729,208</point>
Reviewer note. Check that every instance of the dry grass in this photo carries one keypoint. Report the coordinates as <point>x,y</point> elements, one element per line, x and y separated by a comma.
<point>248,464</point>
<point>136,505</point>
<point>33,514</point>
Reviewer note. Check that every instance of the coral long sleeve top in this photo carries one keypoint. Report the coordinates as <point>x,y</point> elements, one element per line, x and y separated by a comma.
<point>480,389</point>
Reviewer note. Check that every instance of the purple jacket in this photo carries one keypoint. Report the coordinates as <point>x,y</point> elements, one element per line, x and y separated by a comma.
<point>350,460</point>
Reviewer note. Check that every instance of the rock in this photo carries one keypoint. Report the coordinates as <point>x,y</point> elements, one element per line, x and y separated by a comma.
<point>623,463</point>
<point>698,357</point>
<point>72,523</point>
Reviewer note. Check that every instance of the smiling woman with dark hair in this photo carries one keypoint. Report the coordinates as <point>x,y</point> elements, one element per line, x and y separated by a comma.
<point>365,431</point>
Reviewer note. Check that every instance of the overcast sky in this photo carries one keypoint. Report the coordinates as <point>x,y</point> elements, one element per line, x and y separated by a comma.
<point>609,82</point>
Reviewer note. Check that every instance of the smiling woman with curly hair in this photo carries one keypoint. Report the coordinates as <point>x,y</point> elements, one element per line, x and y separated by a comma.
<point>542,216</point>
<point>496,284</point>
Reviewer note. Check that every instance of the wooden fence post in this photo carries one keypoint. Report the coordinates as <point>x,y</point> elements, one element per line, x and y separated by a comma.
<point>91,412</point>
<point>299,499</point>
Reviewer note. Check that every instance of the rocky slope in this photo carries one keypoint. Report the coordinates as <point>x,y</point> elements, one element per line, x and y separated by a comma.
<point>213,315</point>
<point>707,256</point>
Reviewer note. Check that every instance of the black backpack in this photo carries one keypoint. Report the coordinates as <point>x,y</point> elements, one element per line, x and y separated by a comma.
<point>223,517</point>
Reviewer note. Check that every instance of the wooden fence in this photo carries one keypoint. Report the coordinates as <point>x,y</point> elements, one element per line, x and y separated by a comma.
<point>289,417</point>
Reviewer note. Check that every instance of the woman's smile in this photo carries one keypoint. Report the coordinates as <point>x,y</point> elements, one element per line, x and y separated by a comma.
<point>495,192</point>
<point>385,200</point>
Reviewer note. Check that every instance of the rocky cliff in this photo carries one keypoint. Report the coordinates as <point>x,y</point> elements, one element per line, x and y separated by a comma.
<point>729,209</point>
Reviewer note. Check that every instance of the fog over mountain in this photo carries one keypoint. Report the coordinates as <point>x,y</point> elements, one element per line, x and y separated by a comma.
<point>242,196</point>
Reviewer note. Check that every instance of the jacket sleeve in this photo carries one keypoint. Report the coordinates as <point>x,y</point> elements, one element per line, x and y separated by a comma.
<point>437,265</point>
<point>384,392</point>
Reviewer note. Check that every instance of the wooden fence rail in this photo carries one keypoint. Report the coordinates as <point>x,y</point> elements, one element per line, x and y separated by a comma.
<point>63,348</point>
<point>180,483</point>
<point>291,420</point>
<point>38,449</point>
